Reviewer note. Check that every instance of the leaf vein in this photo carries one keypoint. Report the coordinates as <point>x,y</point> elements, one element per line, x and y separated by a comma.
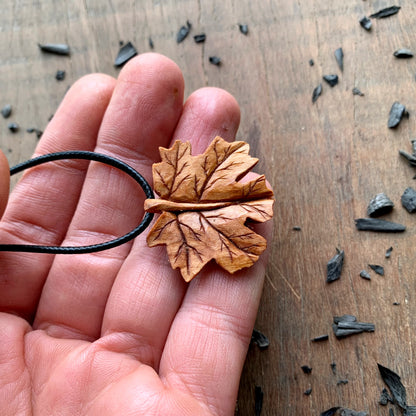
<point>227,154</point>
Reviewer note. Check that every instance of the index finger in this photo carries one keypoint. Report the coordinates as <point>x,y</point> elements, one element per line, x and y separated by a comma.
<point>43,202</point>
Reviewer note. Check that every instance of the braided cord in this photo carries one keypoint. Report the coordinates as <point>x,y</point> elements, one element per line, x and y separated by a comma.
<point>97,157</point>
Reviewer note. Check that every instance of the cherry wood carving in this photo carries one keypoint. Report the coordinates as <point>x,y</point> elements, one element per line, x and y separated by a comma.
<point>205,207</point>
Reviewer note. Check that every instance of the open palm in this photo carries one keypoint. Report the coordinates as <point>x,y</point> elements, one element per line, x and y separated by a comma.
<point>117,332</point>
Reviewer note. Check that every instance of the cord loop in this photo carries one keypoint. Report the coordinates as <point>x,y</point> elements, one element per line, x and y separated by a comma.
<point>97,157</point>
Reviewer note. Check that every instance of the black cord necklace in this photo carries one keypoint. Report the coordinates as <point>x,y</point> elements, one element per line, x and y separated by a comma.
<point>98,157</point>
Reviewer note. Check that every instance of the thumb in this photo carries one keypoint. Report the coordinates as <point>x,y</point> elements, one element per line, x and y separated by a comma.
<point>4,182</point>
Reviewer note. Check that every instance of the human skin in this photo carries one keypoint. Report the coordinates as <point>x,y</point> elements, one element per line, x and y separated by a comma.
<point>117,332</point>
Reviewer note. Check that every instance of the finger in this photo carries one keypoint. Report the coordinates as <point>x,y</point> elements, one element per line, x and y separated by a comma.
<point>4,182</point>
<point>208,112</point>
<point>143,112</point>
<point>42,204</point>
<point>147,292</point>
<point>207,345</point>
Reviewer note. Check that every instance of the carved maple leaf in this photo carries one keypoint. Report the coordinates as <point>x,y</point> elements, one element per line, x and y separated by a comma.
<point>205,208</point>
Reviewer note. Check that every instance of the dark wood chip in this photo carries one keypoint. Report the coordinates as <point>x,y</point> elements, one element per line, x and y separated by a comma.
<point>366,23</point>
<point>35,130</point>
<point>296,228</point>
<point>396,387</point>
<point>397,112</point>
<point>183,32</point>
<point>347,325</point>
<point>316,93</point>
<point>306,369</point>
<point>13,127</point>
<point>377,269</point>
<point>376,224</point>
<point>243,29</point>
<point>386,12</point>
<point>409,200</point>
<point>6,111</point>
<point>259,339</point>
<point>308,392</point>
<point>334,267</point>
<point>215,60</point>
<point>385,397</point>
<point>55,48</point>
<point>200,38</point>
<point>396,303</point>
<point>410,158</point>
<point>311,62</point>
<point>320,338</point>
<point>379,205</point>
<point>365,275</point>
<point>403,53</point>
<point>339,56</point>
<point>330,412</point>
<point>346,332</point>
<point>356,91</point>
<point>60,75</point>
<point>332,79</point>
<point>342,381</point>
<point>258,400</point>
<point>333,368</point>
<point>388,252</point>
<point>356,326</point>
<point>151,44</point>
<point>344,329</point>
<point>125,53</point>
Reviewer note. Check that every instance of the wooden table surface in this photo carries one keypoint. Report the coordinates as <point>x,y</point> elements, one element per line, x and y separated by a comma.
<point>325,161</point>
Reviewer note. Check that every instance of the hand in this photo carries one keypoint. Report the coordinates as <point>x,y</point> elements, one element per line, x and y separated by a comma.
<point>118,332</point>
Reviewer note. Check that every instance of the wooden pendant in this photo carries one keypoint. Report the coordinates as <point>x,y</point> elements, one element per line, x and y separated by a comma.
<point>204,207</point>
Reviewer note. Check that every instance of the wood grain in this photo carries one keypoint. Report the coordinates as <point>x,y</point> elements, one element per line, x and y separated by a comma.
<point>325,161</point>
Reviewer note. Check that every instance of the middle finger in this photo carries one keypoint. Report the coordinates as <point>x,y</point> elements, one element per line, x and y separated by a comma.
<point>147,292</point>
